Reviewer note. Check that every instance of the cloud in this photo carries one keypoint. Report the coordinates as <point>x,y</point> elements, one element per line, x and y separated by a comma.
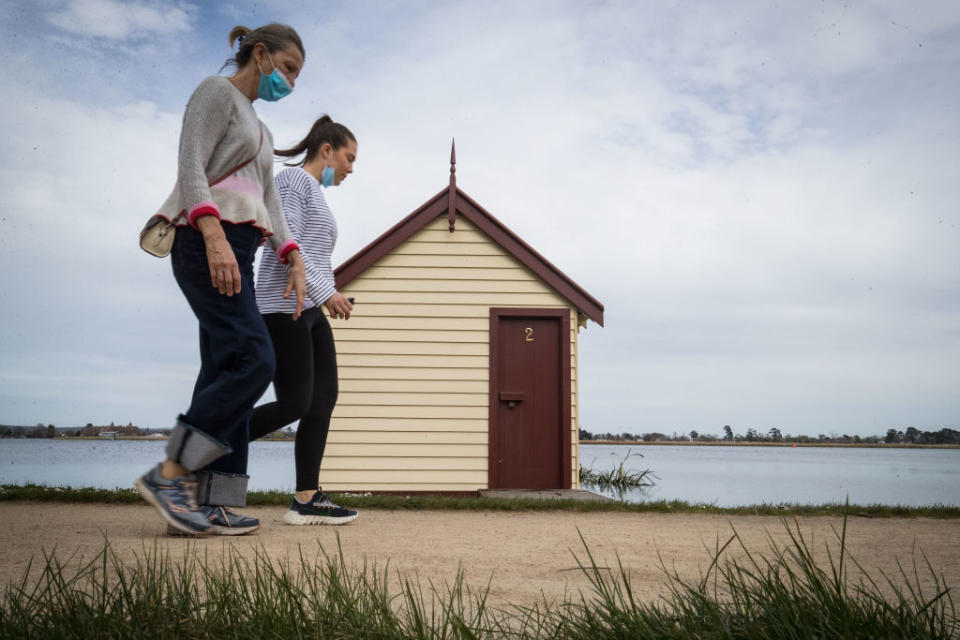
<point>122,392</point>
<point>771,226</point>
<point>762,220</point>
<point>81,301</point>
<point>119,21</point>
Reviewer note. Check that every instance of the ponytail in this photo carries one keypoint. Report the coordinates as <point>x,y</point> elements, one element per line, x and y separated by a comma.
<point>323,131</point>
<point>238,33</point>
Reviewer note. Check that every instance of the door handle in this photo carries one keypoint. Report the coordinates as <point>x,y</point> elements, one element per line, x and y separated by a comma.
<point>512,398</point>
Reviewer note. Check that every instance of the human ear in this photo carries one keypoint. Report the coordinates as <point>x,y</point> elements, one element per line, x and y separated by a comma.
<point>259,53</point>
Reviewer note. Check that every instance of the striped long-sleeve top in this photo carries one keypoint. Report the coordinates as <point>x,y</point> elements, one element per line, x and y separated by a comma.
<point>315,231</point>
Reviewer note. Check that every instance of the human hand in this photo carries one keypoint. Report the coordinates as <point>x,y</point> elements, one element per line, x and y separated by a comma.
<point>224,272</point>
<point>296,280</point>
<point>338,306</point>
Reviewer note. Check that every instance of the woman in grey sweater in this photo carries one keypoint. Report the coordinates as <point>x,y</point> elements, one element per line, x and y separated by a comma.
<point>228,205</point>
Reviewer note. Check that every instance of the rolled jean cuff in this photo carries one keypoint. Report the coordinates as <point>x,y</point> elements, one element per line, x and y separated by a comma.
<point>193,448</point>
<point>220,489</point>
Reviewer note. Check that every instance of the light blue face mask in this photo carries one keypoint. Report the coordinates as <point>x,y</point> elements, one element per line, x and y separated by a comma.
<point>326,178</point>
<point>274,86</point>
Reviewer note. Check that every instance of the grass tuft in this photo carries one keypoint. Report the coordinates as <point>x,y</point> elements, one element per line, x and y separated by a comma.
<point>618,479</point>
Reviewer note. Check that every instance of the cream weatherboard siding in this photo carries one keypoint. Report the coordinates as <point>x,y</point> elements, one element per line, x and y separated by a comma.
<point>414,363</point>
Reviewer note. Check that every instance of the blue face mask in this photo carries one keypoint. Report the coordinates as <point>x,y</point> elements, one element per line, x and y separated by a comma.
<point>326,178</point>
<point>274,86</point>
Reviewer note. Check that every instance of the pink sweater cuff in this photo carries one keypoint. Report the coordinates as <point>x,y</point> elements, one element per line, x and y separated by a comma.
<point>203,209</point>
<point>286,248</point>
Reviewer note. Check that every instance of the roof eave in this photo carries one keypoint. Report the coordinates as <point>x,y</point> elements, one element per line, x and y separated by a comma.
<point>531,258</point>
<point>486,222</point>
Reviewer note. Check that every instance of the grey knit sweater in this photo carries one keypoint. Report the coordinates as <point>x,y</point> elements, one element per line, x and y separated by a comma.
<point>220,131</point>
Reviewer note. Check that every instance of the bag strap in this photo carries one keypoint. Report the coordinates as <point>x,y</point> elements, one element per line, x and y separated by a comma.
<point>243,164</point>
<point>182,213</point>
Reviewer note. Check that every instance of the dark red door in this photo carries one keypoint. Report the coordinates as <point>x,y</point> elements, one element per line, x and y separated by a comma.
<point>527,434</point>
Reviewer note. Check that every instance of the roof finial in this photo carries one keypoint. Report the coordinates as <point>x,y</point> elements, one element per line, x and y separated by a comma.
<point>451,209</point>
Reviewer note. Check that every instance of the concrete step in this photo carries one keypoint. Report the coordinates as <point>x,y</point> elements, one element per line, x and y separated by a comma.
<point>544,494</point>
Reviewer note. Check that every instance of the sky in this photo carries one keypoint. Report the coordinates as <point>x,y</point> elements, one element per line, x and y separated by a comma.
<point>764,195</point>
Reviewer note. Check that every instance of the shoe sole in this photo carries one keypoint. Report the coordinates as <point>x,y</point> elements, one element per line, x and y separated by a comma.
<point>215,530</point>
<point>149,496</point>
<point>292,517</point>
<point>177,533</point>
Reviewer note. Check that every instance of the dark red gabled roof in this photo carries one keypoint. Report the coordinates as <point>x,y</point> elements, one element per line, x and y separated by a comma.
<point>453,199</point>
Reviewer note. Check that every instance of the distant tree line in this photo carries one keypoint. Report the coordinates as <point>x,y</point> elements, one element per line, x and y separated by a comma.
<point>95,431</point>
<point>911,435</point>
<point>39,431</point>
<point>90,430</point>
<point>915,436</point>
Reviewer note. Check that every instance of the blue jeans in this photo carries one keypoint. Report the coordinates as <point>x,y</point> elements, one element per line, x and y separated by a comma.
<point>236,359</point>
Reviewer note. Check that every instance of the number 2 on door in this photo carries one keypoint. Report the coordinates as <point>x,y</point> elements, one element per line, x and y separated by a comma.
<point>528,334</point>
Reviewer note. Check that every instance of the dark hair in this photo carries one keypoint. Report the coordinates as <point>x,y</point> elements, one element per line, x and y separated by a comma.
<point>323,130</point>
<point>275,36</point>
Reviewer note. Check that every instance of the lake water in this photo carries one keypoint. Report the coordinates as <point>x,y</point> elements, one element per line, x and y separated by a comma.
<point>724,476</point>
<point>109,464</point>
<point>732,476</point>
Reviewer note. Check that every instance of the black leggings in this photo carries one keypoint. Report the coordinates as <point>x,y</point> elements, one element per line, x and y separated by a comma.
<point>306,386</point>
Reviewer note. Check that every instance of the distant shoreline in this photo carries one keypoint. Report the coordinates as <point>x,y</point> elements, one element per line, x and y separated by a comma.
<point>638,443</point>
<point>103,439</point>
<point>721,443</point>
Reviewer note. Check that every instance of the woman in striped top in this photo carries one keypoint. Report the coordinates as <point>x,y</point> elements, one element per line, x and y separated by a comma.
<point>306,375</point>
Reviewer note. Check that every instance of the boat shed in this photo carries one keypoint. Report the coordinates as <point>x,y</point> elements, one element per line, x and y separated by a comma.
<point>458,368</point>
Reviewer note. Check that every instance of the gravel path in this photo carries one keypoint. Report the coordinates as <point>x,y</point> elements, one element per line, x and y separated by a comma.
<point>525,553</point>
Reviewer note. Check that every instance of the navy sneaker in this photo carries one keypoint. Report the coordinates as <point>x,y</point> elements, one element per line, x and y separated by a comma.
<point>223,522</point>
<point>320,510</point>
<point>175,500</point>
